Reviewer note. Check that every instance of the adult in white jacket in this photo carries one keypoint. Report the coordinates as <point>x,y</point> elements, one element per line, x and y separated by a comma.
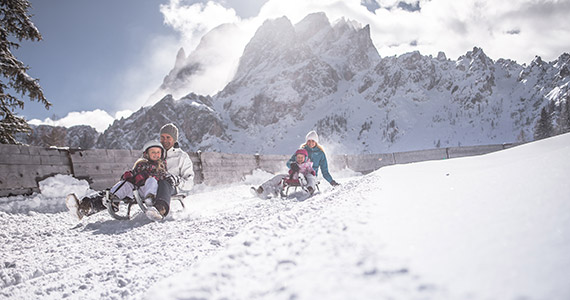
<point>178,164</point>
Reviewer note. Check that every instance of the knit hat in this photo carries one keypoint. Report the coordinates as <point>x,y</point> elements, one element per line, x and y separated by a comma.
<point>312,135</point>
<point>171,130</point>
<point>302,151</point>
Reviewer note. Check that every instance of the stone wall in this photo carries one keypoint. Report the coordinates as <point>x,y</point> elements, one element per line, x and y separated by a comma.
<point>22,167</point>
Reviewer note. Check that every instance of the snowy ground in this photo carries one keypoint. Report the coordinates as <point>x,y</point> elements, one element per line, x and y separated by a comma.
<point>495,226</point>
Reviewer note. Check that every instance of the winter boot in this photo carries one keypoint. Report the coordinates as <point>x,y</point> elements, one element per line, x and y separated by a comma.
<point>77,208</point>
<point>95,203</point>
<point>85,207</point>
<point>72,204</point>
<point>153,214</point>
<point>258,192</point>
<point>310,190</point>
<point>162,207</point>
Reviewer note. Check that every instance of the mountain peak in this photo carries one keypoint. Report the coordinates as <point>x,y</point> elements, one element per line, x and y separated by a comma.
<point>344,24</point>
<point>475,60</point>
<point>475,53</point>
<point>271,40</point>
<point>311,25</point>
<point>562,60</point>
<point>537,61</point>
<point>180,58</point>
<point>272,27</point>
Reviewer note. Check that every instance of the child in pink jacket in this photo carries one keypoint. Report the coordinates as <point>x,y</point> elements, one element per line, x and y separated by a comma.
<point>301,170</point>
<point>304,167</point>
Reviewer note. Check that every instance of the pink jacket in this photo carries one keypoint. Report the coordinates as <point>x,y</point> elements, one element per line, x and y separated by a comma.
<point>305,168</point>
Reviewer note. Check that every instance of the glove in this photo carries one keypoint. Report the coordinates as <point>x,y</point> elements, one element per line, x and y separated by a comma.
<point>295,167</point>
<point>334,183</point>
<point>173,180</point>
<point>140,180</point>
<point>127,175</point>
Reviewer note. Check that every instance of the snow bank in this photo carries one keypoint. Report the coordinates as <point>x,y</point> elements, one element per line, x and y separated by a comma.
<point>495,226</point>
<point>51,198</point>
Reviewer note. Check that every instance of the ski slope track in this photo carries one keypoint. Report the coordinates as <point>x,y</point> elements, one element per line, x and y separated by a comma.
<point>495,226</point>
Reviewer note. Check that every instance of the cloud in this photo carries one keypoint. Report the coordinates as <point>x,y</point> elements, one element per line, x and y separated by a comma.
<point>142,79</point>
<point>219,54</point>
<point>217,57</point>
<point>454,27</point>
<point>518,30</point>
<point>123,114</point>
<point>98,119</point>
<point>192,21</point>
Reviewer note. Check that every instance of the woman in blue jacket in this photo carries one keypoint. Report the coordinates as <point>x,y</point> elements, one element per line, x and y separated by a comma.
<point>316,155</point>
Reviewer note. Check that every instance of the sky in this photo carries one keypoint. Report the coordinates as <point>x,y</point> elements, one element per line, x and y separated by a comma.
<point>101,60</point>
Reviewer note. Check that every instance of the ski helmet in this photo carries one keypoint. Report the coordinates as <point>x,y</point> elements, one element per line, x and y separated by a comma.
<point>152,144</point>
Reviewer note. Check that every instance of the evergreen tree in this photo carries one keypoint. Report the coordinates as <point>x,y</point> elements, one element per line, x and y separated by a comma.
<point>522,137</point>
<point>564,117</point>
<point>86,141</point>
<point>544,126</point>
<point>15,23</point>
<point>551,107</point>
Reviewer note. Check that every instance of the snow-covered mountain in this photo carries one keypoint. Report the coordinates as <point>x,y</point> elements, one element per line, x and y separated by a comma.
<point>293,78</point>
<point>193,114</point>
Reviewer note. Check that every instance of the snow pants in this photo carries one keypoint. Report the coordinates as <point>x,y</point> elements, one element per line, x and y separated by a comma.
<point>163,195</point>
<point>274,186</point>
<point>124,189</point>
<point>311,181</point>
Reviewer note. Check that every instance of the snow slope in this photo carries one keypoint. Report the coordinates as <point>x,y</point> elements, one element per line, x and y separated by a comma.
<point>495,226</point>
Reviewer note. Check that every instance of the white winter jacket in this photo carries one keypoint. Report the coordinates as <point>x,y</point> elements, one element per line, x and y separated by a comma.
<point>179,164</point>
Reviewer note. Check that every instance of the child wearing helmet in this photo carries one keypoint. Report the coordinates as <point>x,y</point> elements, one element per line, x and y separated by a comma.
<point>302,169</point>
<point>146,173</point>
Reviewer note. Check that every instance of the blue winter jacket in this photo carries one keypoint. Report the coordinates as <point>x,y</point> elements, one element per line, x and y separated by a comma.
<point>319,159</point>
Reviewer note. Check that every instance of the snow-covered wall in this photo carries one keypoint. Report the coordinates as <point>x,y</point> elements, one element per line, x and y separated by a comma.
<point>22,167</point>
